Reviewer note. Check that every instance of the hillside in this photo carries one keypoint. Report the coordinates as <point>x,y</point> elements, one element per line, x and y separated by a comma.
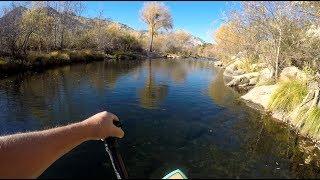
<point>75,22</point>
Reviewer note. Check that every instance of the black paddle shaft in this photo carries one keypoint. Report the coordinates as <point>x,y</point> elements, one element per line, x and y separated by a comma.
<point>115,156</point>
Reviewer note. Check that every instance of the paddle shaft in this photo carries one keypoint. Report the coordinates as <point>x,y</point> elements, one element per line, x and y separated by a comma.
<point>115,156</point>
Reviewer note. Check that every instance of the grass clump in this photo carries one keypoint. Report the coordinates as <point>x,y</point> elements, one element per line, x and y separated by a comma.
<point>308,121</point>
<point>288,95</point>
<point>311,125</point>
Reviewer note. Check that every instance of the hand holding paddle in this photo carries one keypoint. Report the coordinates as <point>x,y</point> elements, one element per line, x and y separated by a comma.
<point>103,125</point>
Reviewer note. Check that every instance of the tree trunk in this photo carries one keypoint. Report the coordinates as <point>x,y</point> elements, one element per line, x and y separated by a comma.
<point>25,43</point>
<point>151,40</point>
<point>62,39</point>
<point>278,54</point>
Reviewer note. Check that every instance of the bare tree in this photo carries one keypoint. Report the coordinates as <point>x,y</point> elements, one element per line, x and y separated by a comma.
<point>156,15</point>
<point>63,21</point>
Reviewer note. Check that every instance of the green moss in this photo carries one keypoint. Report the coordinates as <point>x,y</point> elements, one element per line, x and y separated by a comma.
<point>288,95</point>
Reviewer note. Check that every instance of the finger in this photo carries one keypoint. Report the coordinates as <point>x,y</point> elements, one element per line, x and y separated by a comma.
<point>118,132</point>
<point>114,117</point>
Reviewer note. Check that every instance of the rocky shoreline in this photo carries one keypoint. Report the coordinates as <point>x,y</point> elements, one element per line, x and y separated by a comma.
<point>259,87</point>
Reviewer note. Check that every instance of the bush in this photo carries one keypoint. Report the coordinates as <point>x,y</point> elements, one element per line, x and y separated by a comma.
<point>121,55</point>
<point>59,57</point>
<point>37,59</point>
<point>288,95</point>
<point>85,56</point>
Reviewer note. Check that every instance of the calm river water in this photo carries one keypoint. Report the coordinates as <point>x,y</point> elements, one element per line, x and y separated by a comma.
<point>176,114</point>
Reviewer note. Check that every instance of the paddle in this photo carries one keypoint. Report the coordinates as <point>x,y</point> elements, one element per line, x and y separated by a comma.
<point>115,156</point>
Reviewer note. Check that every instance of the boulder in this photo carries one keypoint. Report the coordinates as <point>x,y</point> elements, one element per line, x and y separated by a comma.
<point>266,76</point>
<point>292,72</point>
<point>253,80</point>
<point>260,95</point>
<point>266,73</point>
<point>257,66</point>
<point>244,79</point>
<point>232,69</point>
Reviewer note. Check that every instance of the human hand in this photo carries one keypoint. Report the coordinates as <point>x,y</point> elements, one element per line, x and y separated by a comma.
<point>101,126</point>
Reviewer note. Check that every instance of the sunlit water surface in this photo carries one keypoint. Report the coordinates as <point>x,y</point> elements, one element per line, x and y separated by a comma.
<point>176,114</point>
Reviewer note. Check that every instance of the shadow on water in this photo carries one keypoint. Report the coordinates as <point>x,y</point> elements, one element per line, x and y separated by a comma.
<point>176,114</point>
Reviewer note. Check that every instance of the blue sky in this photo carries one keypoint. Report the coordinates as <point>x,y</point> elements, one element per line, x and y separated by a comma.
<point>200,18</point>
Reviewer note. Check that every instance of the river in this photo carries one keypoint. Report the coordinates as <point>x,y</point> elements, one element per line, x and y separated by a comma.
<point>176,114</point>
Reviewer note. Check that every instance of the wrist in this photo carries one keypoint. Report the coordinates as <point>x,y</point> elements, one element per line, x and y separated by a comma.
<point>87,131</point>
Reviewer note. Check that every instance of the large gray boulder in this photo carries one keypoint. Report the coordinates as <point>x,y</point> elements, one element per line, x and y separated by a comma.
<point>260,95</point>
<point>266,75</point>
<point>292,72</point>
<point>244,79</point>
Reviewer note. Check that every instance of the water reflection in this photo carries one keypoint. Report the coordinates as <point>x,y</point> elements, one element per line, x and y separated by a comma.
<point>220,94</point>
<point>201,127</point>
<point>56,94</point>
<point>152,94</point>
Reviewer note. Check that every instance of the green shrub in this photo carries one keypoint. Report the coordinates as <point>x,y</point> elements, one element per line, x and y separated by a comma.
<point>288,95</point>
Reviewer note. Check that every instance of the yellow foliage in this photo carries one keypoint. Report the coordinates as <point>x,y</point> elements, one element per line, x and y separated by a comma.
<point>228,41</point>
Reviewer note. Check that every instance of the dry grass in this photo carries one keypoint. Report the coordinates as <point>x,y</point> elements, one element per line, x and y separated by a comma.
<point>288,95</point>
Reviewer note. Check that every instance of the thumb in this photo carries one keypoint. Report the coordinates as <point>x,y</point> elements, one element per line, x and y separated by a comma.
<point>118,132</point>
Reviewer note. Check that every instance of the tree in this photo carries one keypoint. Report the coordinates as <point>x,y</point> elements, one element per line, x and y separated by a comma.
<point>266,31</point>
<point>156,15</point>
<point>64,22</point>
<point>9,28</point>
<point>35,25</point>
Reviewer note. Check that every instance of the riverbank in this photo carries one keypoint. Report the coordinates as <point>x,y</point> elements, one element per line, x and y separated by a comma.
<point>40,61</point>
<point>292,99</point>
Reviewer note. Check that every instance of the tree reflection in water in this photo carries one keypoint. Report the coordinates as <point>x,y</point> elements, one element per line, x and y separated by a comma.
<point>152,94</point>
